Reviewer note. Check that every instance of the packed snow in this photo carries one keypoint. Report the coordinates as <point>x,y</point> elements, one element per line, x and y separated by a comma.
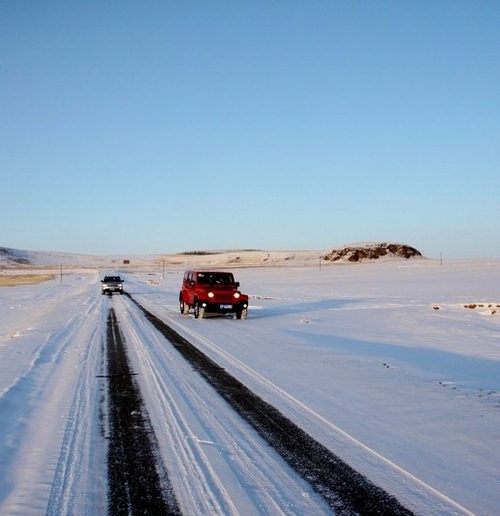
<point>394,365</point>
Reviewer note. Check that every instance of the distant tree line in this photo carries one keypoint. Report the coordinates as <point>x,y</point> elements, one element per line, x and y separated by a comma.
<point>206,253</point>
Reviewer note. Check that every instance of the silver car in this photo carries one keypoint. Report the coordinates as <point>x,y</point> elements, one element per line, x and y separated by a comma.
<point>112,284</point>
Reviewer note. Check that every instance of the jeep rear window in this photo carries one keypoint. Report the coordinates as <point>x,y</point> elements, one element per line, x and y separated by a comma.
<point>217,278</point>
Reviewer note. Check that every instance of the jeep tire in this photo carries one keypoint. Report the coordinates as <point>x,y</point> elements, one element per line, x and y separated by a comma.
<point>199,311</point>
<point>241,314</point>
<point>184,307</point>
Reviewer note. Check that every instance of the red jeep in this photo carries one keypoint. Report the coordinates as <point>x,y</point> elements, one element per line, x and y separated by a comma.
<point>212,292</point>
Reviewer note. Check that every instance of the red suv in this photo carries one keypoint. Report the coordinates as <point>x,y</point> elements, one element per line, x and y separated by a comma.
<point>212,292</point>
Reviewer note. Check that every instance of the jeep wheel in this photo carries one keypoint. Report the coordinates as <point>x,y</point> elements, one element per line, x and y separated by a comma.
<point>184,308</point>
<point>241,314</point>
<point>199,311</point>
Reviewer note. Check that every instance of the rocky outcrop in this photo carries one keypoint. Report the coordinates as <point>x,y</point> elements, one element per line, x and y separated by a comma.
<point>357,253</point>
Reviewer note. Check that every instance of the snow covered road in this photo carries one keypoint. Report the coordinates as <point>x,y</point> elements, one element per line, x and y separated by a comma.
<point>388,380</point>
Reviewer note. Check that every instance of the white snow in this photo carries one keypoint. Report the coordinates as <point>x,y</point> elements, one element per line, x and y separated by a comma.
<point>395,366</point>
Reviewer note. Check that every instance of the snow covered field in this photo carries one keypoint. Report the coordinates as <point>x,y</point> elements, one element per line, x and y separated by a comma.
<point>394,365</point>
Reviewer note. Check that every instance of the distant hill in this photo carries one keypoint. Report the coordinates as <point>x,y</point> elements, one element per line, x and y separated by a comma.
<point>13,258</point>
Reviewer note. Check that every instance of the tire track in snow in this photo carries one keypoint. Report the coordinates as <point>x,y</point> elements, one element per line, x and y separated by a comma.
<point>344,489</point>
<point>80,437</point>
<point>212,451</point>
<point>138,483</point>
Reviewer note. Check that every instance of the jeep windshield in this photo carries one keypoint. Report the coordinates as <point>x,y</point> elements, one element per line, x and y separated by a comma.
<point>215,278</point>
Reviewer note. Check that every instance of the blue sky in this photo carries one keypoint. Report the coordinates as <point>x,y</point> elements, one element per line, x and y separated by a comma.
<point>161,126</point>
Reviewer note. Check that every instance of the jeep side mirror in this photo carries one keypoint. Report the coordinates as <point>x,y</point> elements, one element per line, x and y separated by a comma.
<point>237,284</point>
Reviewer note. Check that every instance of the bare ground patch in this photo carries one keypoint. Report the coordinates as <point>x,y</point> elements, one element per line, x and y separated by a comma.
<point>24,279</point>
<point>483,308</point>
